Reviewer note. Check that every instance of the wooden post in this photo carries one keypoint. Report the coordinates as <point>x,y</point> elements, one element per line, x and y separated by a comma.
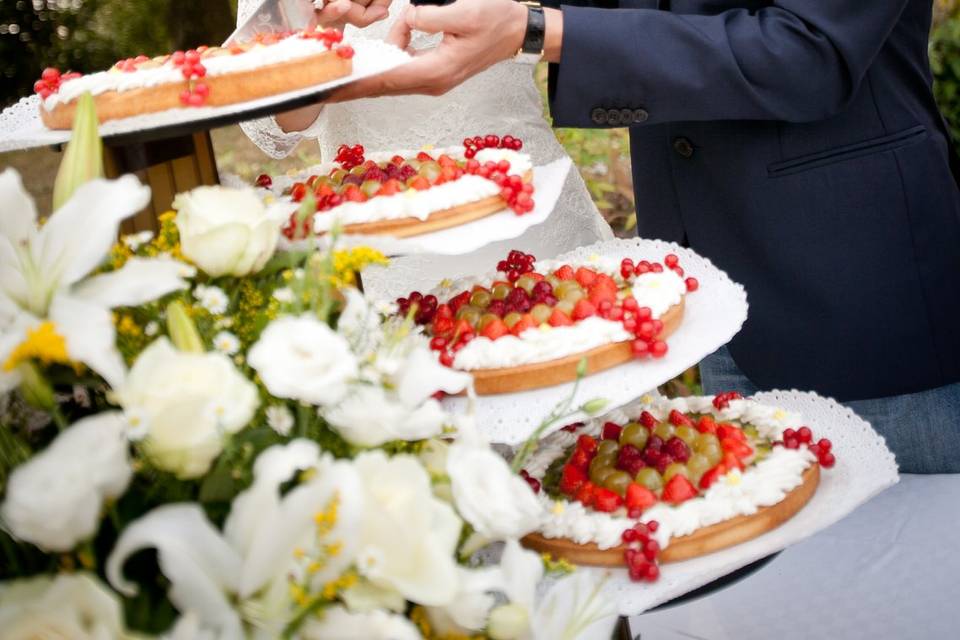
<point>168,167</point>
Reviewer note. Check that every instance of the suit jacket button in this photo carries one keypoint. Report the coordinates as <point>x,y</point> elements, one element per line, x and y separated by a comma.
<point>626,116</point>
<point>613,117</point>
<point>599,116</point>
<point>640,116</point>
<point>683,147</point>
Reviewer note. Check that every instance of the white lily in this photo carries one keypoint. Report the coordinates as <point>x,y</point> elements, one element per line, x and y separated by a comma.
<point>275,551</point>
<point>44,269</point>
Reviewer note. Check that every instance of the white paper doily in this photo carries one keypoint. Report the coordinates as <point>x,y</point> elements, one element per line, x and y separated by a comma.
<point>713,316</point>
<point>864,468</point>
<point>21,127</point>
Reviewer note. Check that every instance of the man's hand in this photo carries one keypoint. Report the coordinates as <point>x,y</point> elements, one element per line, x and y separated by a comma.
<point>476,35</point>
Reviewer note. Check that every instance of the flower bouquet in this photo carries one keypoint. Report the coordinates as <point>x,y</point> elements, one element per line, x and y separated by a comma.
<point>203,438</point>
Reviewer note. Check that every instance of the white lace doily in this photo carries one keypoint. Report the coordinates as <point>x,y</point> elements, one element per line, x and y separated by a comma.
<point>548,182</point>
<point>864,468</point>
<point>21,127</point>
<point>713,315</point>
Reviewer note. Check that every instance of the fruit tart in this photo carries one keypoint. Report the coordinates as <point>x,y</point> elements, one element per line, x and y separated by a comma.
<point>672,480</point>
<point>405,194</point>
<point>531,324</point>
<point>269,65</point>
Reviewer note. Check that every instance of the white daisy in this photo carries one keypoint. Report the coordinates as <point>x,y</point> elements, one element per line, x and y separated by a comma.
<point>213,299</point>
<point>226,343</point>
<point>284,295</point>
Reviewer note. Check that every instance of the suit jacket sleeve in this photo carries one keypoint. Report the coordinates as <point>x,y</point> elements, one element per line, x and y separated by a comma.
<point>797,60</point>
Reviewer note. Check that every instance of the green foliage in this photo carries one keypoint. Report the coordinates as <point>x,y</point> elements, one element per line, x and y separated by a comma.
<point>945,63</point>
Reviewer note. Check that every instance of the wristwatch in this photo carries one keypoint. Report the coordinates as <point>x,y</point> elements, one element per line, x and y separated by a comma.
<point>531,51</point>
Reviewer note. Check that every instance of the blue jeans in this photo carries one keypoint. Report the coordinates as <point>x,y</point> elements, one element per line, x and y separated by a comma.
<point>922,429</point>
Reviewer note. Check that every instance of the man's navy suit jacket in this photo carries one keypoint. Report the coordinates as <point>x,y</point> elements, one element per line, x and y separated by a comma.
<point>796,144</point>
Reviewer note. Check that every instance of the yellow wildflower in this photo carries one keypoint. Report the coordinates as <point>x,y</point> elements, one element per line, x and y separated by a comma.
<point>43,343</point>
<point>348,263</point>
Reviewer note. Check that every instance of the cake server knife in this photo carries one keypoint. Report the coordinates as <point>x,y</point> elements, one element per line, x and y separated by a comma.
<point>274,16</point>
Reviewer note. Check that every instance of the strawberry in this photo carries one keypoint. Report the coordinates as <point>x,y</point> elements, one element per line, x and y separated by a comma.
<point>559,319</point>
<point>587,443</point>
<point>677,419</point>
<point>727,430</point>
<point>419,183</point>
<point>565,272</point>
<point>586,494</point>
<point>397,160</point>
<point>572,479</point>
<point>585,277</point>
<point>602,294</point>
<point>611,431</point>
<point>580,459</point>
<point>731,461</point>
<point>605,500</point>
<point>740,449</point>
<point>444,311</point>
<point>707,425</point>
<point>442,326</point>
<point>679,490</point>
<point>446,161</point>
<point>583,309</point>
<point>639,497</point>
<point>525,322</point>
<point>459,300</point>
<point>647,420</point>
<point>711,476</point>
<point>423,156</point>
<point>495,329</point>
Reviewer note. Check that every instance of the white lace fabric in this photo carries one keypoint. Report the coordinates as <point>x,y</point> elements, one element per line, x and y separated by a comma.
<point>502,100</point>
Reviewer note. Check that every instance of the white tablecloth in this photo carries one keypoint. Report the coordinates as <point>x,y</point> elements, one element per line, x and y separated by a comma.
<point>889,570</point>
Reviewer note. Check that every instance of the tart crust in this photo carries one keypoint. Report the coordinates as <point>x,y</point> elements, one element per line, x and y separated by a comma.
<point>699,543</point>
<point>538,375</point>
<point>226,89</point>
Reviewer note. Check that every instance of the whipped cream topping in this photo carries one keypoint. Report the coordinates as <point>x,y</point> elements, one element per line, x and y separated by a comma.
<point>408,204</point>
<point>736,494</point>
<point>658,291</point>
<point>292,48</point>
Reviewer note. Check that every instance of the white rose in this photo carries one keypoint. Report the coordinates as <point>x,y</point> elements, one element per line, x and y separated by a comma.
<point>336,623</point>
<point>303,359</point>
<point>68,606</point>
<point>226,231</point>
<point>54,500</point>
<point>497,502</point>
<point>371,416</point>
<point>409,537</point>
<point>184,404</point>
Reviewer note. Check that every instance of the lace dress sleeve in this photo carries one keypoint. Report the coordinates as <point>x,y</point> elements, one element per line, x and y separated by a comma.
<point>265,132</point>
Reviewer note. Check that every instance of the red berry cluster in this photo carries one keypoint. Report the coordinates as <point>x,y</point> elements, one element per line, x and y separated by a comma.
<point>426,307</point>
<point>671,261</point>
<point>517,264</point>
<point>264,181</point>
<point>346,52</point>
<point>642,551</point>
<point>473,145</point>
<point>722,400</point>
<point>50,81</point>
<point>349,157</point>
<point>517,193</point>
<point>822,449</point>
<point>190,65</point>
<point>530,480</point>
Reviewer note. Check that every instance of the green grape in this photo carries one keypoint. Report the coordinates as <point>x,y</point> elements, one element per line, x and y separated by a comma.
<point>713,454</point>
<point>664,430</point>
<point>705,440</point>
<point>687,433</point>
<point>526,282</point>
<point>470,314</point>
<point>565,289</point>
<point>677,468</point>
<point>618,481</point>
<point>636,434</point>
<point>541,313</point>
<point>511,319</point>
<point>697,465</point>
<point>501,291</point>
<point>486,319</point>
<point>751,432</point>
<point>649,478</point>
<point>553,280</point>
<point>338,176</point>
<point>358,170</point>
<point>430,171</point>
<point>565,306</point>
<point>370,188</point>
<point>600,468</point>
<point>480,298</point>
<point>607,447</point>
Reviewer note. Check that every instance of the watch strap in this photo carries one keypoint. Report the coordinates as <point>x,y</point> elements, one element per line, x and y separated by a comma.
<point>535,36</point>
